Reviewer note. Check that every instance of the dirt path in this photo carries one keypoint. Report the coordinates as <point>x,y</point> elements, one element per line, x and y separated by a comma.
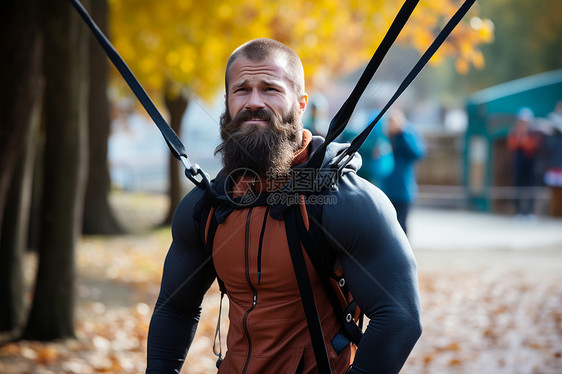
<point>490,311</point>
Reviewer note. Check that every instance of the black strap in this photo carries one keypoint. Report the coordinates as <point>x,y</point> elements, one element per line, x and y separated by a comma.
<point>351,328</point>
<point>317,249</point>
<point>305,289</point>
<point>174,143</point>
<point>360,139</point>
<point>340,120</point>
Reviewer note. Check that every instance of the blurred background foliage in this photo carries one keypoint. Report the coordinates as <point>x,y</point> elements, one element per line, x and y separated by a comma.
<point>527,37</point>
<point>189,42</point>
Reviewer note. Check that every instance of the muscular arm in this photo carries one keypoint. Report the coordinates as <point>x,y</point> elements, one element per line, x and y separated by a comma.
<point>380,270</point>
<point>188,274</point>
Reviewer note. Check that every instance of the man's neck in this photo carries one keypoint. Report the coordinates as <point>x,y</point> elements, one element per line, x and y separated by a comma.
<point>301,155</point>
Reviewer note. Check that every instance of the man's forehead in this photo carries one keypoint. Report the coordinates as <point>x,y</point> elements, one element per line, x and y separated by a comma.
<point>272,67</point>
<point>269,63</point>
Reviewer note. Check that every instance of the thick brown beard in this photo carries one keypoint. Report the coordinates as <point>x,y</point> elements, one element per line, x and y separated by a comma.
<point>266,150</point>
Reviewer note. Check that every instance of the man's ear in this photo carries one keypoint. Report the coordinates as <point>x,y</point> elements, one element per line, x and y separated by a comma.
<point>303,100</point>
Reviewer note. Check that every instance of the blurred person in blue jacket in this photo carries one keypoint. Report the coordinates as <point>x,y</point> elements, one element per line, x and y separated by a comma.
<point>398,179</point>
<point>377,160</point>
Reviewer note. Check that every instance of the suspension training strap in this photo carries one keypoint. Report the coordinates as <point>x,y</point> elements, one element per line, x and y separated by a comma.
<point>340,120</point>
<point>305,290</point>
<point>360,139</point>
<point>175,144</point>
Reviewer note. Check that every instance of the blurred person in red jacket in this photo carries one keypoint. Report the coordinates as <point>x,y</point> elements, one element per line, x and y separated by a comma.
<point>523,142</point>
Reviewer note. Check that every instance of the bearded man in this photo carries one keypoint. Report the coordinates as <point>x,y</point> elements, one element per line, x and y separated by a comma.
<point>262,142</point>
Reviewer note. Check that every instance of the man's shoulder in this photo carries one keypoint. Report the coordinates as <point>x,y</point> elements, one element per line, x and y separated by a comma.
<point>360,213</point>
<point>192,198</point>
<point>189,204</point>
<point>184,224</point>
<point>356,193</point>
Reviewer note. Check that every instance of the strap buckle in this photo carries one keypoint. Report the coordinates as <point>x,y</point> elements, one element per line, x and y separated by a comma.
<point>192,171</point>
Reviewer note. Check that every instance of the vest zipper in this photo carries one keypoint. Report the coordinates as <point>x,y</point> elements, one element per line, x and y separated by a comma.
<point>254,291</point>
<point>261,243</point>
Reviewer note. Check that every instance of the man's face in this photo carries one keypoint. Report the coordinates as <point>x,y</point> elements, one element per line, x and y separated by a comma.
<point>255,85</point>
<point>262,123</point>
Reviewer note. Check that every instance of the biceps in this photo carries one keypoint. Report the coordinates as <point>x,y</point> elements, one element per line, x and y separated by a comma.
<point>382,278</point>
<point>187,275</point>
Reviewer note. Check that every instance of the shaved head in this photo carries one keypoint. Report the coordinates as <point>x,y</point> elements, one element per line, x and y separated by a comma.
<point>263,49</point>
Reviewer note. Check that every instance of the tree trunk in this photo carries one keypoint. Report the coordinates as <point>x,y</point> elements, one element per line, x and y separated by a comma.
<point>20,78</point>
<point>14,242</point>
<point>34,232</point>
<point>98,215</point>
<point>66,90</point>
<point>176,104</point>
<point>20,63</point>
<point>11,263</point>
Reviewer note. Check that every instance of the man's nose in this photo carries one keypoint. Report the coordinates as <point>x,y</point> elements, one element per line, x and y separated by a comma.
<point>255,101</point>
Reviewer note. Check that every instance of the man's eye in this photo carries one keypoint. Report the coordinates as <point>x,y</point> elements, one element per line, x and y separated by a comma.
<point>241,89</point>
<point>272,89</point>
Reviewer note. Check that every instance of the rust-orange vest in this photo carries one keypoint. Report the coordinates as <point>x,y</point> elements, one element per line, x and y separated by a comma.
<point>268,330</point>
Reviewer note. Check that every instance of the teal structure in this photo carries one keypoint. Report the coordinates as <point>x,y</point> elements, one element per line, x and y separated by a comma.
<point>491,113</point>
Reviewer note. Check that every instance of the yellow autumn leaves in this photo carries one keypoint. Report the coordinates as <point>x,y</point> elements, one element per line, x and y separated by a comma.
<point>189,41</point>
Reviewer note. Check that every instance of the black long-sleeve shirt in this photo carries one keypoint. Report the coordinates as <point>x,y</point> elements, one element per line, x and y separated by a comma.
<point>374,252</point>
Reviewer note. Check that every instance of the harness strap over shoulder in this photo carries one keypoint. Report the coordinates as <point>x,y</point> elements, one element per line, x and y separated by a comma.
<point>172,140</point>
<point>305,289</point>
<point>341,119</point>
<point>317,249</point>
<point>445,32</point>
